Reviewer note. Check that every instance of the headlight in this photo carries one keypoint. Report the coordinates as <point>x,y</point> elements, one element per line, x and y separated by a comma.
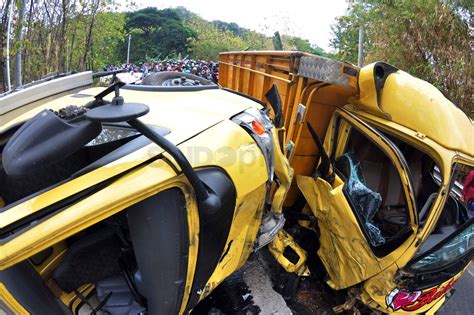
<point>259,126</point>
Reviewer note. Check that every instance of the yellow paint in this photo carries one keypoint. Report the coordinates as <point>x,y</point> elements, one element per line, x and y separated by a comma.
<point>10,301</point>
<point>376,289</point>
<point>409,108</point>
<point>419,106</point>
<point>193,230</point>
<point>283,172</point>
<point>181,112</point>
<point>247,218</point>
<point>192,113</point>
<point>277,249</point>
<point>343,249</point>
<point>228,146</point>
<point>381,283</point>
<point>53,261</point>
<point>72,301</point>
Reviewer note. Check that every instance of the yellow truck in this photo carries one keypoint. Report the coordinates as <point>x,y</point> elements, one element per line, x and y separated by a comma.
<point>383,163</point>
<point>145,198</point>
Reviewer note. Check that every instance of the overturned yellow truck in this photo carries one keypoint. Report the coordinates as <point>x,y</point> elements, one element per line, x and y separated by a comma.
<point>382,165</point>
<point>145,199</point>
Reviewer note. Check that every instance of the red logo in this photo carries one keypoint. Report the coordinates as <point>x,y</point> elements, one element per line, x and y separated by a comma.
<point>411,301</point>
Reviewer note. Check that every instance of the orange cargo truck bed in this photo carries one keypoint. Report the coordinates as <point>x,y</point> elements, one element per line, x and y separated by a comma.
<point>311,88</point>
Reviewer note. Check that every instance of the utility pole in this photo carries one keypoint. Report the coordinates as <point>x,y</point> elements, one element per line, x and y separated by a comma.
<point>128,49</point>
<point>18,82</point>
<point>9,26</point>
<point>360,59</point>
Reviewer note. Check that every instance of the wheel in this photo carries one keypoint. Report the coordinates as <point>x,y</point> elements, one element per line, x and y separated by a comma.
<point>169,78</point>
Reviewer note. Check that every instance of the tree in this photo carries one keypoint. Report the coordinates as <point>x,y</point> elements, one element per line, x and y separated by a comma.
<point>346,32</point>
<point>60,35</point>
<point>430,39</point>
<point>300,44</point>
<point>3,36</point>
<point>158,32</point>
<point>148,20</point>
<point>210,41</point>
<point>92,16</point>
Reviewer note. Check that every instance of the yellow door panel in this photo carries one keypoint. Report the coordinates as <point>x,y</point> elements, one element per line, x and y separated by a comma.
<point>343,250</point>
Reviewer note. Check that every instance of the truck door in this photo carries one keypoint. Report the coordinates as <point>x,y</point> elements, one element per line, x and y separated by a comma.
<point>366,217</point>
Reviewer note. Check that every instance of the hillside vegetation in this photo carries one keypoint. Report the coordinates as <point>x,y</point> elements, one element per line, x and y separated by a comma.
<point>431,39</point>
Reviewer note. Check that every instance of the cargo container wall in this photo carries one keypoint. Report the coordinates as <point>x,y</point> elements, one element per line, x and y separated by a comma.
<point>311,88</point>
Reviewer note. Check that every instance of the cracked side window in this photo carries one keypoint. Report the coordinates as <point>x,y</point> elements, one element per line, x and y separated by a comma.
<point>374,189</point>
<point>450,251</point>
<point>458,211</point>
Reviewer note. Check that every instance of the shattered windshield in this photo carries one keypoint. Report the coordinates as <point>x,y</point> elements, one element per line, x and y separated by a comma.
<point>451,251</point>
<point>455,226</point>
<point>366,200</point>
<point>373,187</point>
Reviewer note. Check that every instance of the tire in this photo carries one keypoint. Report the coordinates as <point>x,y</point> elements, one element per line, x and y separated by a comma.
<point>170,78</point>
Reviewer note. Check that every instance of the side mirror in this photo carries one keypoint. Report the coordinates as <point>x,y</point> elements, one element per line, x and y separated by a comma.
<point>45,140</point>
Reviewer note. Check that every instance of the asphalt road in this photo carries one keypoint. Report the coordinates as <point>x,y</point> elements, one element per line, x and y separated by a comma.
<point>462,302</point>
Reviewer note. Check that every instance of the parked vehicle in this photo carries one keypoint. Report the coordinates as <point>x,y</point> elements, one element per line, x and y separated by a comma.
<point>380,161</point>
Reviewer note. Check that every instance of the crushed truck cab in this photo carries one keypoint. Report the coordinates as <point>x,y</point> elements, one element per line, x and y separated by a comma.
<point>380,162</point>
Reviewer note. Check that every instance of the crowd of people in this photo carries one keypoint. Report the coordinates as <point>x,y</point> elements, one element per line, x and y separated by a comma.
<point>205,69</point>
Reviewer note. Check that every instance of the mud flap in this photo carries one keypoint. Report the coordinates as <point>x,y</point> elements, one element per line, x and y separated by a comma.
<point>343,250</point>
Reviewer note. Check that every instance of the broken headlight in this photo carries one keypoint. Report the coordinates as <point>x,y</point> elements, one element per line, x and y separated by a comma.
<point>259,126</point>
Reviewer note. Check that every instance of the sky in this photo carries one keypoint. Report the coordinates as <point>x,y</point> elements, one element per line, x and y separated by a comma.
<point>307,19</point>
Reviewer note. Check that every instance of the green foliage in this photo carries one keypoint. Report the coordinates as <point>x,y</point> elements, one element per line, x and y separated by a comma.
<point>89,34</point>
<point>299,44</point>
<point>430,39</point>
<point>210,41</point>
<point>157,33</point>
<point>217,36</point>
<point>234,28</point>
<point>346,32</point>
<point>108,39</point>
<point>256,41</point>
